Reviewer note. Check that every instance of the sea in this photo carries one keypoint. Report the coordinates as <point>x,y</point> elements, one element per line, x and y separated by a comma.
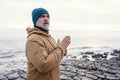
<point>12,44</point>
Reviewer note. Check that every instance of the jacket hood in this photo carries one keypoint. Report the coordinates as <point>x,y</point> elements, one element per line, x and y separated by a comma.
<point>31,31</point>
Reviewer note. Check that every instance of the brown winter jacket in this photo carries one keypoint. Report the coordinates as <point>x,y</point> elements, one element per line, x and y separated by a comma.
<point>43,56</point>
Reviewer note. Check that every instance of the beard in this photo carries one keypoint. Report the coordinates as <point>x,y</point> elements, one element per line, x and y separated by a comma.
<point>43,26</point>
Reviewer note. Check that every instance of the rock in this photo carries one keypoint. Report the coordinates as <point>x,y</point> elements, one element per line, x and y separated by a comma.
<point>12,76</point>
<point>89,53</point>
<point>99,56</point>
<point>106,53</point>
<point>76,78</point>
<point>62,68</point>
<point>85,78</point>
<point>20,79</point>
<point>64,77</point>
<point>85,56</point>
<point>118,76</point>
<point>91,76</point>
<point>81,73</point>
<point>99,75</point>
<point>116,51</point>
<point>22,73</point>
<point>110,76</point>
<point>70,69</point>
<point>68,74</point>
<point>1,63</point>
<point>118,58</point>
<point>114,54</point>
<point>2,77</point>
<point>73,57</point>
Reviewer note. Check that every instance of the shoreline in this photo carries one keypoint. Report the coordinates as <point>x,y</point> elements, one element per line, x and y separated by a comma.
<point>72,67</point>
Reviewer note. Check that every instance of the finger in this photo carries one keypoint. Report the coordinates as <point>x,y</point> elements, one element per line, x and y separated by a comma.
<point>64,38</point>
<point>67,44</point>
<point>67,39</point>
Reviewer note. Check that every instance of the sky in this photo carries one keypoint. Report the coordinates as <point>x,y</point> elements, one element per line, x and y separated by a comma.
<point>96,15</point>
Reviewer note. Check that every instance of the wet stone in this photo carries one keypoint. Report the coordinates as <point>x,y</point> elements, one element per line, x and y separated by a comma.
<point>20,79</point>
<point>64,77</point>
<point>12,76</point>
<point>22,73</point>
<point>68,74</point>
<point>85,56</point>
<point>117,75</point>
<point>62,67</point>
<point>85,78</point>
<point>2,77</point>
<point>89,53</point>
<point>91,76</point>
<point>81,73</point>
<point>76,78</point>
<point>71,69</point>
<point>100,75</point>
<point>110,77</point>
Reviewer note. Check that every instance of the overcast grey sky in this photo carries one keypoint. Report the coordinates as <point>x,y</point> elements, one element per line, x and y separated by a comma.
<point>65,14</point>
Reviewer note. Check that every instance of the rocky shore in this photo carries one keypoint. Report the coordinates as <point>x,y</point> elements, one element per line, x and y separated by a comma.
<point>91,70</point>
<point>73,68</point>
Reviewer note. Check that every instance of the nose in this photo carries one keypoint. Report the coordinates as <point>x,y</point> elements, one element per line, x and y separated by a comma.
<point>46,18</point>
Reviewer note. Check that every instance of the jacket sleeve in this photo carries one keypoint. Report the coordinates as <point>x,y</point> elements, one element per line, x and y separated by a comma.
<point>38,56</point>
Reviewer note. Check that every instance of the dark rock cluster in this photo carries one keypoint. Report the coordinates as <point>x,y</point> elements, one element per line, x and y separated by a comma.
<point>90,70</point>
<point>13,75</point>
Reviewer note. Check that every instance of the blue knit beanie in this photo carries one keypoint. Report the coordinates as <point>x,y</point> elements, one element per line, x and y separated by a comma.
<point>38,12</point>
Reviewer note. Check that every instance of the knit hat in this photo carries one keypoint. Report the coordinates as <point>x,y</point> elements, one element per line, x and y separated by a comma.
<point>38,12</point>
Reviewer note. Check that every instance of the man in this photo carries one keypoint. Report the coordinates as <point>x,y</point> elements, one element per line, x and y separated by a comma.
<point>43,53</point>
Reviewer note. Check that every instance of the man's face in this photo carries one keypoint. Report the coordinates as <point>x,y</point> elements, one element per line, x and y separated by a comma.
<point>43,22</point>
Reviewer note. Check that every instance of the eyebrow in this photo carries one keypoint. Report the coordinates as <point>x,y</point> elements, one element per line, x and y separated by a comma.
<point>45,15</point>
